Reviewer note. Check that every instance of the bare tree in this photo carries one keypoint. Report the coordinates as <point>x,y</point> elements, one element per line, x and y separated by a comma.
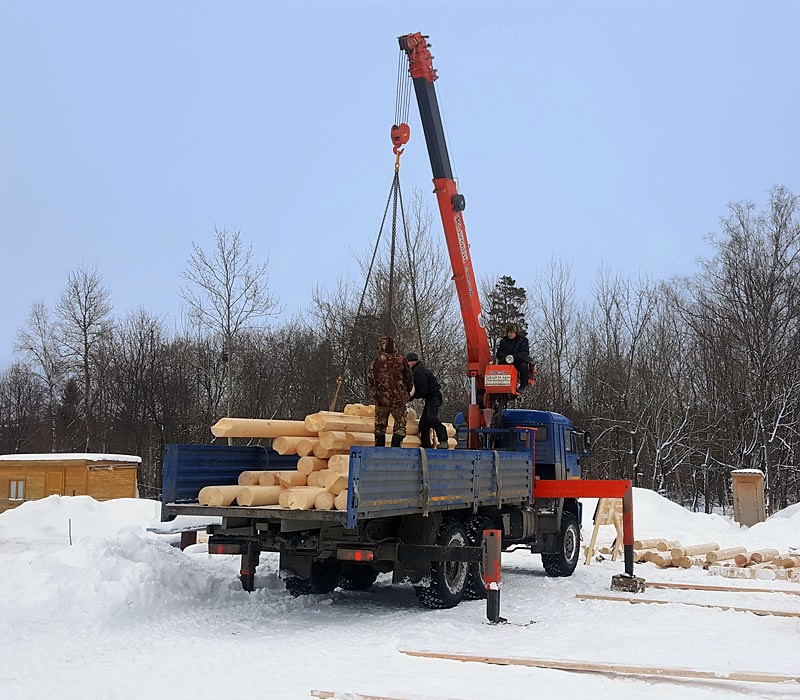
<point>39,342</point>
<point>83,322</point>
<point>226,292</point>
<point>554,316</point>
<point>745,309</point>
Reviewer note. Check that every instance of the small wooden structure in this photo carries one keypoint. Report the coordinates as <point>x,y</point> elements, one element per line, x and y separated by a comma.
<point>26,477</point>
<point>608,512</point>
<point>748,496</point>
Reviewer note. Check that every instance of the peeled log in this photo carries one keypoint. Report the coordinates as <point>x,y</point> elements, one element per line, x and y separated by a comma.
<point>332,421</point>
<point>363,439</point>
<point>648,544</point>
<point>790,562</point>
<point>306,465</point>
<point>335,483</point>
<point>642,554</point>
<point>302,499</point>
<point>764,555</point>
<point>722,554</point>
<point>341,500</point>
<point>323,501</point>
<point>217,495</point>
<point>286,444</point>
<point>259,428</point>
<point>688,562</point>
<point>691,550</point>
<point>250,478</point>
<point>321,453</point>
<point>258,495</point>
<point>288,479</point>
<point>742,559</point>
<point>666,545</point>
<point>358,409</point>
<point>339,464</point>
<point>663,560</point>
<point>340,440</point>
<point>318,478</point>
<point>283,499</point>
<point>307,445</point>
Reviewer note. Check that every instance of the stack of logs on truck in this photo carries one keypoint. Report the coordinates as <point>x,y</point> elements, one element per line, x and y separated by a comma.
<point>321,442</point>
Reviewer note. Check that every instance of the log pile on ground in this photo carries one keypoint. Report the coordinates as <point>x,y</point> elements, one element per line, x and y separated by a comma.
<point>732,562</point>
<point>322,441</point>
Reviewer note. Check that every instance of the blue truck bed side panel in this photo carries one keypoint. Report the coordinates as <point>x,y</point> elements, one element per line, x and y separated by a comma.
<point>188,468</point>
<point>390,482</point>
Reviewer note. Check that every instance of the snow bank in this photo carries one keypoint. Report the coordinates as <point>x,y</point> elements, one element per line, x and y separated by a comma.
<point>113,567</point>
<point>656,516</point>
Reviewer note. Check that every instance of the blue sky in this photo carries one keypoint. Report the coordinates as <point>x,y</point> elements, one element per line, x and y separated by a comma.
<point>596,132</point>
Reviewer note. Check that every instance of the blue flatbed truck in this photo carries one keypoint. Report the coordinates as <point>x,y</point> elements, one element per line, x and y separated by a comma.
<point>419,514</point>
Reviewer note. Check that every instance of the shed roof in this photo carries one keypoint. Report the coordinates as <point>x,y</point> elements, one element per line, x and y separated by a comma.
<point>71,456</point>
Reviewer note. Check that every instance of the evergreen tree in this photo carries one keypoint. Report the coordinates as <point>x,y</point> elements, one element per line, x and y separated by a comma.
<point>506,305</point>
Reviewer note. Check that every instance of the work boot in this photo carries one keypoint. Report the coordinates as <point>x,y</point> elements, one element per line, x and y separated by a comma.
<point>380,440</point>
<point>397,440</point>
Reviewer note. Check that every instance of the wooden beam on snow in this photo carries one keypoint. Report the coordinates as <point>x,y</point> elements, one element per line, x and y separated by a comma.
<point>706,587</point>
<point>608,668</point>
<point>776,613</point>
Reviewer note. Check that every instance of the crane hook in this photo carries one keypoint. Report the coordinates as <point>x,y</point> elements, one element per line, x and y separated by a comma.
<point>400,136</point>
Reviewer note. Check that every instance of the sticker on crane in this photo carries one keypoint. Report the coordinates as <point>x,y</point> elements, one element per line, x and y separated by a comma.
<point>499,379</point>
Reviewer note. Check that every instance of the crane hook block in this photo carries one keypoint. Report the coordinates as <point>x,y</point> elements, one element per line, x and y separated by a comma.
<point>400,135</point>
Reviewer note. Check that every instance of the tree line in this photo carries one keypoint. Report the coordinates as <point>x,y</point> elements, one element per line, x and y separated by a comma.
<point>680,381</point>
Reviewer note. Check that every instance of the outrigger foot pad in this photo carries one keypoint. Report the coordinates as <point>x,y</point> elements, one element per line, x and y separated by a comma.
<point>627,583</point>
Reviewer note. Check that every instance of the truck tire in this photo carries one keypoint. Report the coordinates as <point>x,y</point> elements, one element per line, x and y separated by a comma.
<point>475,589</point>
<point>447,579</point>
<point>564,561</point>
<point>324,577</point>
<point>357,578</point>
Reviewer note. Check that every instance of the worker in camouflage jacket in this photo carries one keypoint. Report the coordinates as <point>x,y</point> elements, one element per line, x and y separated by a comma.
<point>391,383</point>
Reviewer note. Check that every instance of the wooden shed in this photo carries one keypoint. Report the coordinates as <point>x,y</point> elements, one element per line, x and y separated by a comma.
<point>27,477</point>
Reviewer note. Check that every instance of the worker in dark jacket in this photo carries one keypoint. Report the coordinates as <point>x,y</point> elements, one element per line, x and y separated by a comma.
<point>391,383</point>
<point>426,386</point>
<point>513,349</point>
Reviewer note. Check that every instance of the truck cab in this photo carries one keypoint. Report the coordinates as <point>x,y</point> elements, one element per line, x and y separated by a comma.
<point>558,447</point>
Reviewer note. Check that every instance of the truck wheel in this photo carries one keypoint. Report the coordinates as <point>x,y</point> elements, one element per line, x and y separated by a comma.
<point>564,561</point>
<point>357,578</point>
<point>448,578</point>
<point>475,588</point>
<point>324,577</point>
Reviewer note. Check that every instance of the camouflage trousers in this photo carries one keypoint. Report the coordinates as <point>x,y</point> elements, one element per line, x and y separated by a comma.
<point>382,414</point>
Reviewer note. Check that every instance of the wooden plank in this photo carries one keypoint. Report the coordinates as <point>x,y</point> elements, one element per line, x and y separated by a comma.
<point>706,587</point>
<point>608,668</point>
<point>343,695</point>
<point>755,611</point>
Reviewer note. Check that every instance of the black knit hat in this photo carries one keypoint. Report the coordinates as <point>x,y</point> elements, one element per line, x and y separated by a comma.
<point>412,357</point>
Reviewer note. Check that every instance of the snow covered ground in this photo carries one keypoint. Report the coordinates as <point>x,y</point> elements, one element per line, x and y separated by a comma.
<point>120,613</point>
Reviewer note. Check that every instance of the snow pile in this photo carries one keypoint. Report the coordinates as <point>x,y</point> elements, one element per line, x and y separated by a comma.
<point>113,566</point>
<point>655,516</point>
